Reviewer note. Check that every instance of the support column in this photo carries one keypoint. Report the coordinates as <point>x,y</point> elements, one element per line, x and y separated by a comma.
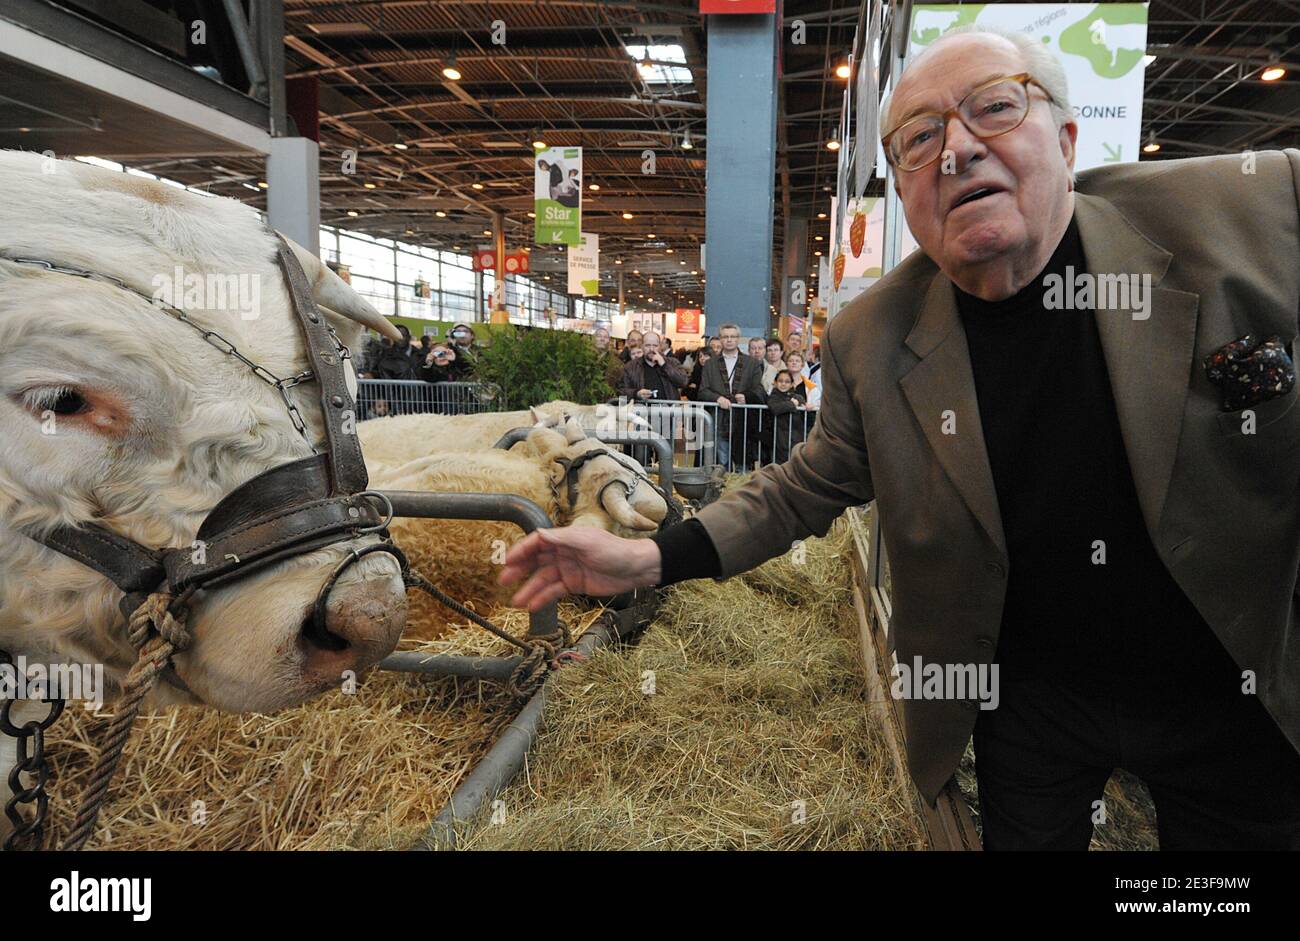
<point>741,114</point>
<point>622,309</point>
<point>293,190</point>
<point>795,282</point>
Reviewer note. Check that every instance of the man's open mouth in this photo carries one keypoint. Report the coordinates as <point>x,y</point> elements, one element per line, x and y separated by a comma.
<point>976,194</point>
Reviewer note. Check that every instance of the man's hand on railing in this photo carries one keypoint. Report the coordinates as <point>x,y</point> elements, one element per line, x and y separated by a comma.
<point>578,560</point>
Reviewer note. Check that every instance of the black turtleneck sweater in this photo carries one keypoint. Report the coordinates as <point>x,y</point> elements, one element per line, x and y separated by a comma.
<point>1065,492</point>
<point>1064,484</point>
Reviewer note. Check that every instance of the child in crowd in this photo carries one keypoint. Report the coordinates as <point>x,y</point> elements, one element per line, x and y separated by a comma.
<point>789,406</point>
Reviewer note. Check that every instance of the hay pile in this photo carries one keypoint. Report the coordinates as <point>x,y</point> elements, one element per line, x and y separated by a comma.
<point>342,771</point>
<point>758,703</point>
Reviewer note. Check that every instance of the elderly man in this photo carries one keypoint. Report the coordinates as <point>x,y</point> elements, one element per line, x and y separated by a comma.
<point>1094,490</point>
<point>650,374</point>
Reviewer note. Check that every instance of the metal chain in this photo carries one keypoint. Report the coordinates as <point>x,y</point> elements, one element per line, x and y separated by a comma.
<point>29,739</point>
<point>214,339</point>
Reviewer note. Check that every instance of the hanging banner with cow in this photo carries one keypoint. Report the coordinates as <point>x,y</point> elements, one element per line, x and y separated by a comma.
<point>584,266</point>
<point>557,196</point>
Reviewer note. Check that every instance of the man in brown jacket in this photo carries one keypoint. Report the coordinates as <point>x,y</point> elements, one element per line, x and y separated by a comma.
<point>1076,411</point>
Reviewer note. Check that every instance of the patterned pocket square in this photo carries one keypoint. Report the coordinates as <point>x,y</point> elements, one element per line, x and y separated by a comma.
<point>1248,371</point>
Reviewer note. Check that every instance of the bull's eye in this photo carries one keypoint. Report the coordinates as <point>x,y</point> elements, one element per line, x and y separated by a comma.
<point>61,400</point>
<point>68,402</point>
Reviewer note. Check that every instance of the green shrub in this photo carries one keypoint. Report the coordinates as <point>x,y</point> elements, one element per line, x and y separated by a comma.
<point>536,366</point>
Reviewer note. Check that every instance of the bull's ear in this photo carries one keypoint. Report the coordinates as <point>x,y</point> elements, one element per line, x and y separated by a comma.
<point>539,418</point>
<point>573,431</point>
<point>546,443</point>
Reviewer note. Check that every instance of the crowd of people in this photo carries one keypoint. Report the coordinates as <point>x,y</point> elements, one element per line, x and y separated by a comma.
<point>778,375</point>
<point>393,361</point>
<point>778,380</point>
<point>382,358</point>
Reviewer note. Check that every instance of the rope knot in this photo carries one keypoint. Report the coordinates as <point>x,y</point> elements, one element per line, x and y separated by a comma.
<point>155,616</point>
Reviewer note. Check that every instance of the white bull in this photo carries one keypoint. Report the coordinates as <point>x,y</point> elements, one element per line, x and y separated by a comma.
<point>391,441</point>
<point>115,412</point>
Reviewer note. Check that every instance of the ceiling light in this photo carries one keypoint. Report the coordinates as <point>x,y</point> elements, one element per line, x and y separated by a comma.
<point>353,213</point>
<point>646,67</point>
<point>261,184</point>
<point>821,215</point>
<point>368,186</point>
<point>593,186</point>
<point>398,145</point>
<point>410,231</point>
<point>686,140</point>
<point>440,214</point>
<point>817,238</point>
<point>449,71</point>
<point>538,143</point>
<point>843,70</point>
<point>818,254</point>
<point>634,271</point>
<point>487,231</point>
<point>627,215</point>
<point>1272,72</point>
<point>834,142</point>
<point>476,186</point>
<point>695,271</point>
<point>1152,145</point>
<point>618,261</point>
<point>668,251</point>
<point>455,248</point>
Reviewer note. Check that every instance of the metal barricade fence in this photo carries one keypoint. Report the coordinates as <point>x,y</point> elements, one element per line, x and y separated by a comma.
<point>740,438</point>
<point>378,398</point>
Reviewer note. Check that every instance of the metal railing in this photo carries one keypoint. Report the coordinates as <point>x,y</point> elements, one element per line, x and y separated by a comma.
<point>378,398</point>
<point>740,438</point>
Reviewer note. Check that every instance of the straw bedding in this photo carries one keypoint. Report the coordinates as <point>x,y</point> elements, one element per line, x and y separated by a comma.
<point>754,735</point>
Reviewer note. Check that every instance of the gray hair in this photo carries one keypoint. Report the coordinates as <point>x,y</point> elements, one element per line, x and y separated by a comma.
<point>1040,62</point>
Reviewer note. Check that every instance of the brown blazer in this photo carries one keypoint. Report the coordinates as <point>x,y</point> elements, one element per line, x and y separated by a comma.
<point>1222,247</point>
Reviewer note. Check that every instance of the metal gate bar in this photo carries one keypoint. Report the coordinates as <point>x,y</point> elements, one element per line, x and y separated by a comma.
<point>502,507</point>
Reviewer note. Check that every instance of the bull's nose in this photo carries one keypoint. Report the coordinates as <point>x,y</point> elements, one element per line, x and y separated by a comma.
<point>363,622</point>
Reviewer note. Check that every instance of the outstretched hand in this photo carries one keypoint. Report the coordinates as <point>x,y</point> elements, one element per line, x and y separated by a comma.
<point>578,560</point>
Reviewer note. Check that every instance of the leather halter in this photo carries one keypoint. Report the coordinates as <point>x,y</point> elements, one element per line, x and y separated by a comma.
<point>289,510</point>
<point>571,466</point>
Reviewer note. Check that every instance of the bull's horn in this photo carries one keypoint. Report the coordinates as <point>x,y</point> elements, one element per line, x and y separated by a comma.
<point>649,503</point>
<point>614,500</point>
<point>329,290</point>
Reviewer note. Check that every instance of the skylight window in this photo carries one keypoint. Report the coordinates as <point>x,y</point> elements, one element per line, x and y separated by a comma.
<point>658,74</point>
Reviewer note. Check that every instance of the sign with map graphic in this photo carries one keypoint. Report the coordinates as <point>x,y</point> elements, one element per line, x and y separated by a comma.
<point>1101,45</point>
<point>584,266</point>
<point>557,196</point>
